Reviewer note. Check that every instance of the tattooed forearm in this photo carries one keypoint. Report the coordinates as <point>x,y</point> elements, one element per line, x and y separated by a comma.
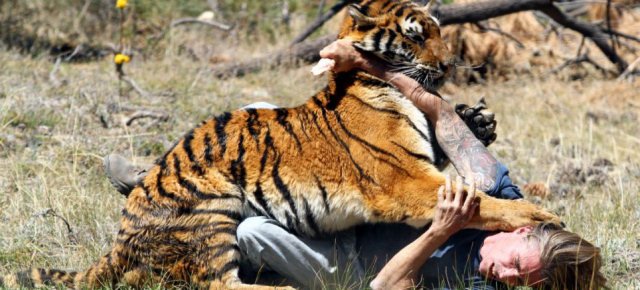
<point>468,155</point>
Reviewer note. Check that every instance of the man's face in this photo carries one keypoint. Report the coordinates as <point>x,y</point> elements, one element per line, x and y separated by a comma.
<point>512,258</point>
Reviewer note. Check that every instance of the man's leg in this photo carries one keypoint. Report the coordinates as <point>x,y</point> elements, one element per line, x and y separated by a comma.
<point>312,263</point>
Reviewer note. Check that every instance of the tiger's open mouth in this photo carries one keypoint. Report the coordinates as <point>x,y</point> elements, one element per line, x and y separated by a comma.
<point>429,77</point>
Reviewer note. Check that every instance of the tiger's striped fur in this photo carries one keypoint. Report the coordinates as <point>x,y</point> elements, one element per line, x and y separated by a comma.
<point>358,151</point>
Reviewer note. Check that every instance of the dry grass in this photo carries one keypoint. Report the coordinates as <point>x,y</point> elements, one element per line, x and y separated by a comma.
<point>52,140</point>
<point>551,130</point>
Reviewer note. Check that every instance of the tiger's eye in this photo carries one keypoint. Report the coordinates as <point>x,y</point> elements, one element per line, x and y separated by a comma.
<point>417,38</point>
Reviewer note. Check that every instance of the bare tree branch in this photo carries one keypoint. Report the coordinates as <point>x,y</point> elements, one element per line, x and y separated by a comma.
<point>473,12</point>
<point>301,52</point>
<point>580,59</point>
<point>484,28</point>
<point>590,31</point>
<point>189,20</point>
<point>631,69</point>
<point>321,20</point>
<point>211,23</point>
<point>458,13</point>
<point>478,11</point>
<point>614,40</point>
<point>623,35</point>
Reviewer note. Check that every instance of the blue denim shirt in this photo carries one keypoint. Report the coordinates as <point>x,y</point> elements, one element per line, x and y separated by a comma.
<point>452,266</point>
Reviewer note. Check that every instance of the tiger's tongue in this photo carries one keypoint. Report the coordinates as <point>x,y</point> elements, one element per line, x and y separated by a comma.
<point>325,64</point>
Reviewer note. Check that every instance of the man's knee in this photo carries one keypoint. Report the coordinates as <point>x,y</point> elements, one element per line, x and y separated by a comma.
<point>254,234</point>
<point>255,228</point>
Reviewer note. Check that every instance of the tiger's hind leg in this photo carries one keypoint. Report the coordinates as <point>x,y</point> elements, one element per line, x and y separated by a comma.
<point>107,271</point>
<point>480,121</point>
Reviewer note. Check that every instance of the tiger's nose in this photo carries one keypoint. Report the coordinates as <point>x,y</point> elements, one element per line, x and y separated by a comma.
<point>443,66</point>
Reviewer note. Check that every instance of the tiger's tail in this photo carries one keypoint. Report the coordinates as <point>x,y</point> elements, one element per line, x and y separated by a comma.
<point>38,277</point>
<point>104,272</point>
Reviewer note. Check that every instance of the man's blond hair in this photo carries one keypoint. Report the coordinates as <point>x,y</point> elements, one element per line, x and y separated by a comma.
<point>568,261</point>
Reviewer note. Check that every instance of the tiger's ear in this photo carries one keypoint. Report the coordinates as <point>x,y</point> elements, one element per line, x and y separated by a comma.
<point>360,18</point>
<point>427,8</point>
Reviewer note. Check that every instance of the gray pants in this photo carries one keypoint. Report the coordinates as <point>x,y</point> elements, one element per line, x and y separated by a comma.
<point>310,263</point>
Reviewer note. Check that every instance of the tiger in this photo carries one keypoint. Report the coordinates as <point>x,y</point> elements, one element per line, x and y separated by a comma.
<point>356,152</point>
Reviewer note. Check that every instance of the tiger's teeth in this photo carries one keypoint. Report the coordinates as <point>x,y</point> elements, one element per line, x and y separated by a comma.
<point>322,66</point>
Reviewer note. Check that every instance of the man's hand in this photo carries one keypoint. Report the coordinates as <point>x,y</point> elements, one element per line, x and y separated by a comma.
<point>344,54</point>
<point>341,56</point>
<point>454,210</point>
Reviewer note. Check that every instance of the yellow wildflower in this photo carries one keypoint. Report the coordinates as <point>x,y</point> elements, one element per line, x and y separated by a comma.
<point>121,58</point>
<point>121,4</point>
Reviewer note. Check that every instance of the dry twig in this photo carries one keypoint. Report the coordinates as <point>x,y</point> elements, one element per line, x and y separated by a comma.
<point>623,35</point>
<point>53,213</point>
<point>189,20</point>
<point>160,116</point>
<point>134,86</point>
<point>321,7</point>
<point>484,28</point>
<point>210,23</point>
<point>580,59</point>
<point>55,82</point>
<point>631,70</point>
<point>580,47</point>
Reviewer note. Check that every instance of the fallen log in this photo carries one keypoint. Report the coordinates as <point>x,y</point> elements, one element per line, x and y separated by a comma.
<point>475,12</point>
<point>306,52</point>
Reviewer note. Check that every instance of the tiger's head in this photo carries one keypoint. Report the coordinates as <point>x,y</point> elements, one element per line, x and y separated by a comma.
<point>405,35</point>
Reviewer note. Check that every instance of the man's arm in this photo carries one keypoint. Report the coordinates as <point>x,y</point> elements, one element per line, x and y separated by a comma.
<point>453,212</point>
<point>467,154</point>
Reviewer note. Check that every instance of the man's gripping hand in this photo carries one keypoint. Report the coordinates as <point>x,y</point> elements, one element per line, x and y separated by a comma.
<point>454,209</point>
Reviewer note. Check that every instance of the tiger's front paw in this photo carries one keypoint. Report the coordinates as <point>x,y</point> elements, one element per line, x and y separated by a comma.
<point>480,121</point>
<point>531,215</point>
<point>516,215</point>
